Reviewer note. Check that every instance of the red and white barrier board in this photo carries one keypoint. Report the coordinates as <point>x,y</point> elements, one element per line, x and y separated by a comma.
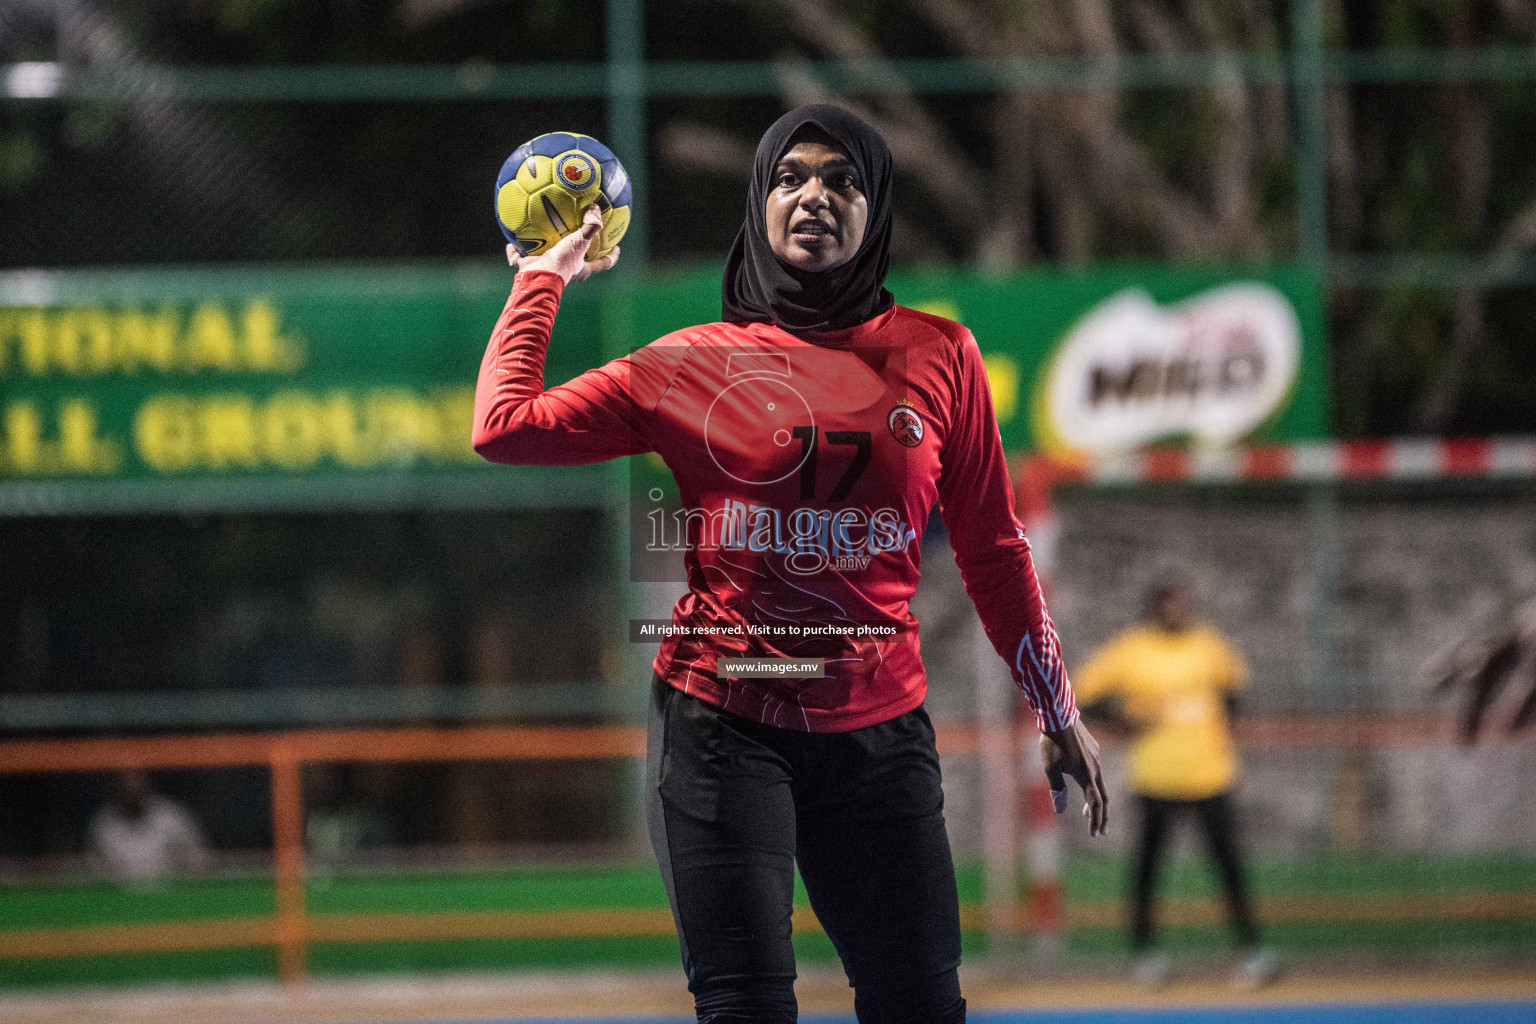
<point>1404,459</point>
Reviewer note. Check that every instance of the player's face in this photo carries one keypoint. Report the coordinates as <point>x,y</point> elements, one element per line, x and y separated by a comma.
<point>1173,611</point>
<point>816,211</point>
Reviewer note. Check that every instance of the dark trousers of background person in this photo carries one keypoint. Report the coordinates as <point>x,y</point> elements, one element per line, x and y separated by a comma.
<point>734,804</point>
<point>1219,826</point>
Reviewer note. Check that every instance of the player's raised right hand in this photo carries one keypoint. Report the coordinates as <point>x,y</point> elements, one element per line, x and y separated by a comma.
<point>568,257</point>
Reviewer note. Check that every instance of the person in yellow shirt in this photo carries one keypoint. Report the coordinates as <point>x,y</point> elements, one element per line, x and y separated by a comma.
<point>1171,684</point>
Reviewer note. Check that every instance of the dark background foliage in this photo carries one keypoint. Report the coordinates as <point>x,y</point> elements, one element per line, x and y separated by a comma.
<point>992,180</point>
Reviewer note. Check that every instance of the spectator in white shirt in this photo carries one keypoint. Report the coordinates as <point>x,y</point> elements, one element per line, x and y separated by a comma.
<point>141,835</point>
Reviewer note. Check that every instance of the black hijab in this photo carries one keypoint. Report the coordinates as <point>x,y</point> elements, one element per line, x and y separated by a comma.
<point>758,286</point>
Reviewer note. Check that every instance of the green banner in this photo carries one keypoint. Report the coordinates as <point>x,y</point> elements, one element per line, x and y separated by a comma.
<point>260,388</point>
<point>1100,360</point>
<point>302,386</point>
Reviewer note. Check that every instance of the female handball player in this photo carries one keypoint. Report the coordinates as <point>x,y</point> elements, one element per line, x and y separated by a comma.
<point>810,433</point>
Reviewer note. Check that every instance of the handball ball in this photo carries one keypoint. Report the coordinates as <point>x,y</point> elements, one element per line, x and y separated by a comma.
<point>547,184</point>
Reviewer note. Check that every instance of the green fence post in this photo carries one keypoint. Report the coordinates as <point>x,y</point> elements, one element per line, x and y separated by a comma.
<point>626,115</point>
<point>1311,141</point>
<point>1323,676</point>
<point>626,137</point>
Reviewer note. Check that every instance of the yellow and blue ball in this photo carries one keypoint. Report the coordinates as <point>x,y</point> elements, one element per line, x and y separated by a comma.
<point>547,184</point>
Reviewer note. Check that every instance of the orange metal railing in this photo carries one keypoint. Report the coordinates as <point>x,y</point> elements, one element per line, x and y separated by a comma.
<point>285,755</point>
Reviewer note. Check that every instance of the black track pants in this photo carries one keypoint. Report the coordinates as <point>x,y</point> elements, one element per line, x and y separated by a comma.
<point>1219,825</point>
<point>734,804</point>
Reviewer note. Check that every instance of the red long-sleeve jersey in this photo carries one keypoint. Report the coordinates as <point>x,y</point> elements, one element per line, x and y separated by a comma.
<point>807,467</point>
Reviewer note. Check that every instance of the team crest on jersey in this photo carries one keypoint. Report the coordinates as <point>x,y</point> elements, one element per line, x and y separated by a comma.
<point>905,424</point>
<point>576,170</point>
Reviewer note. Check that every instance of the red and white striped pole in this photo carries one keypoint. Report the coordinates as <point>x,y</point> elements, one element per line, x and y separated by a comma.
<point>1041,828</point>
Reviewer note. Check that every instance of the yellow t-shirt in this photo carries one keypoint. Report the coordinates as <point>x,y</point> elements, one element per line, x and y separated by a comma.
<point>1173,686</point>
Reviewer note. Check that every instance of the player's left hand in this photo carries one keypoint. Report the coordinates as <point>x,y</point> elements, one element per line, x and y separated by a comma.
<point>1073,751</point>
<point>568,257</point>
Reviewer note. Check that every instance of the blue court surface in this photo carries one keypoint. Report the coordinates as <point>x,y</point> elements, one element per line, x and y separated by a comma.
<point>1319,1013</point>
<point>1491,1012</point>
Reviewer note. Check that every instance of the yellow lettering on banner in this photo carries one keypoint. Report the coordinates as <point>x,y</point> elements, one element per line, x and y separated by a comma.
<point>293,431</point>
<point>25,449</point>
<point>1003,382</point>
<point>165,433</point>
<point>210,341</point>
<point>81,450</point>
<point>147,340</point>
<point>352,445</point>
<point>23,438</point>
<point>89,340</point>
<point>34,342</point>
<point>266,350</point>
<point>229,433</point>
<point>456,413</point>
<point>10,325</point>
<point>405,427</point>
<point>82,341</point>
